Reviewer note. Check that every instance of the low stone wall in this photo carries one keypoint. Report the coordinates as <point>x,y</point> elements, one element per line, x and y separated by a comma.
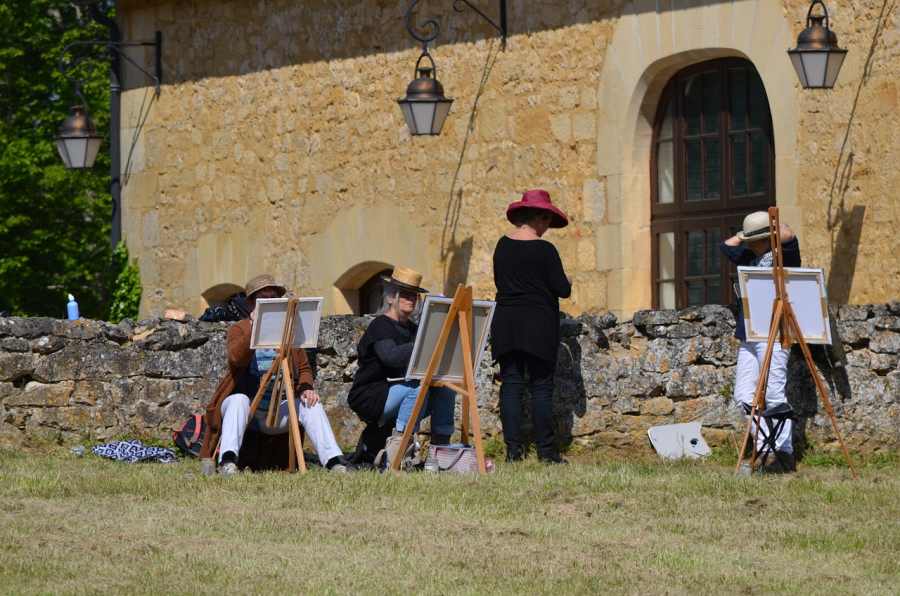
<point>93,381</point>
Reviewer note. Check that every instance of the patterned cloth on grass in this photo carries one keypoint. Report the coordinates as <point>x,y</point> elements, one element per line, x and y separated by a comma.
<point>132,451</point>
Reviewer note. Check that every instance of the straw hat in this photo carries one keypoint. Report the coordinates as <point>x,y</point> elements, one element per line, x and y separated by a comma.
<point>756,227</point>
<point>263,281</point>
<point>539,199</point>
<point>405,279</point>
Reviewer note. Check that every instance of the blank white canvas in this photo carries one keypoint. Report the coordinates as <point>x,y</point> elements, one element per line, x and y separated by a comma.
<point>451,364</point>
<point>268,323</point>
<point>805,292</point>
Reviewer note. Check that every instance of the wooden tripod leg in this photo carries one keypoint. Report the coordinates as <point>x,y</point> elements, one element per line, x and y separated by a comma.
<point>410,424</point>
<point>292,453</point>
<point>470,398</point>
<point>262,390</point>
<point>762,381</point>
<point>283,376</point>
<point>294,420</point>
<point>464,416</point>
<point>792,319</point>
<point>277,390</point>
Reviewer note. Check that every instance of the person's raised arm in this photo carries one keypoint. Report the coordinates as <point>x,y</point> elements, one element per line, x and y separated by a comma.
<point>787,234</point>
<point>237,345</point>
<point>733,241</point>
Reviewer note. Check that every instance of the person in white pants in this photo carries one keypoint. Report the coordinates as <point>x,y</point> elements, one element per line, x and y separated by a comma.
<point>749,361</point>
<point>313,419</point>
<point>752,247</point>
<point>228,410</point>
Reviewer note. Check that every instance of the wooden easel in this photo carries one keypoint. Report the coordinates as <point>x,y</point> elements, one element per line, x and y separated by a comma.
<point>784,325</point>
<point>461,311</point>
<point>283,370</point>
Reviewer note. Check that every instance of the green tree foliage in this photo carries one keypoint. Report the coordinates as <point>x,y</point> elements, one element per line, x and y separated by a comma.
<point>54,223</point>
<point>124,287</point>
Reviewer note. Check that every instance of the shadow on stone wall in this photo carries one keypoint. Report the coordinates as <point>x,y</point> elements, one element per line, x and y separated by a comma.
<point>213,39</point>
<point>455,254</point>
<point>845,231</point>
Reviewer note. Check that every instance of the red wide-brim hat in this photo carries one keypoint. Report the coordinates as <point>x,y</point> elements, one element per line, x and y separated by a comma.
<point>539,199</point>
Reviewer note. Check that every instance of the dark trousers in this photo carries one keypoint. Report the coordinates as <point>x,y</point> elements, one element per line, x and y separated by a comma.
<point>512,375</point>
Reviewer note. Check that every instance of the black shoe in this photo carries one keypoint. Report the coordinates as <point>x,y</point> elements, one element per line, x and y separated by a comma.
<point>780,463</point>
<point>554,459</point>
<point>514,456</point>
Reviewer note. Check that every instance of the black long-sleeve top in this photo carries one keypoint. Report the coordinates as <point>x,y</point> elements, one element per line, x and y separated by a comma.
<point>384,352</point>
<point>530,281</point>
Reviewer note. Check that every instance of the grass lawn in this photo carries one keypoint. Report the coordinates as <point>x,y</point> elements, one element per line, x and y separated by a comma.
<point>93,526</point>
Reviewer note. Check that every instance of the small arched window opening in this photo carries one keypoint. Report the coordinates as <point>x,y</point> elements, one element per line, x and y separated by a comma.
<point>370,293</point>
<point>219,294</point>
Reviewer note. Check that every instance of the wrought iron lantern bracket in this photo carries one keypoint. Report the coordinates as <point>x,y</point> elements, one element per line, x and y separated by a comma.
<point>458,6</point>
<point>111,47</point>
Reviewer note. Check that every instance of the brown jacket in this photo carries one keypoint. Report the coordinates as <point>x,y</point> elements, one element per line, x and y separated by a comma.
<point>239,355</point>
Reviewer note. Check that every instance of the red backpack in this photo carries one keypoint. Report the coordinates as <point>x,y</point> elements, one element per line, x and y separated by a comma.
<point>190,438</point>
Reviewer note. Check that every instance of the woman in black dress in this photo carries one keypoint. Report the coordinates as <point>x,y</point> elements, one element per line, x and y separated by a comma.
<point>530,280</point>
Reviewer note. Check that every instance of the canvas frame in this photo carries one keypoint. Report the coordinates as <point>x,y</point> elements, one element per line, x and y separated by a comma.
<point>451,364</point>
<point>806,293</point>
<point>268,323</point>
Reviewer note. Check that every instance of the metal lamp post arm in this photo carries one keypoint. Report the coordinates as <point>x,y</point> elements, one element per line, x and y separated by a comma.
<point>409,26</point>
<point>501,27</point>
<point>458,8</point>
<point>113,46</point>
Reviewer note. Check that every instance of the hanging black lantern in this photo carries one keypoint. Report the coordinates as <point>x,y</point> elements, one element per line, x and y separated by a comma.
<point>817,57</point>
<point>78,143</point>
<point>425,108</point>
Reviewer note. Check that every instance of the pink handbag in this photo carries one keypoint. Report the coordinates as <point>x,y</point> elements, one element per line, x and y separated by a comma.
<point>457,458</point>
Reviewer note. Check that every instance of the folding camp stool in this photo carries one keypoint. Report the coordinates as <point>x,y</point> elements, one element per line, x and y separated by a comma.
<point>774,419</point>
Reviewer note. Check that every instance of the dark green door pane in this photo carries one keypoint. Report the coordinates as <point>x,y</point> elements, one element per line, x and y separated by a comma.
<point>695,293</point>
<point>757,101</point>
<point>695,253</point>
<point>738,99</point>
<point>713,256</point>
<point>739,166</point>
<point>713,169</point>
<point>694,156</point>
<point>713,291</point>
<point>692,106</point>
<point>710,102</point>
<point>757,163</point>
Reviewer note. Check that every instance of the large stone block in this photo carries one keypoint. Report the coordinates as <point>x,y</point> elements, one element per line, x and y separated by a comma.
<point>14,365</point>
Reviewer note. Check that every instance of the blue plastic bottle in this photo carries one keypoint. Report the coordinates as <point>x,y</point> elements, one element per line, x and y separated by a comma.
<point>72,308</point>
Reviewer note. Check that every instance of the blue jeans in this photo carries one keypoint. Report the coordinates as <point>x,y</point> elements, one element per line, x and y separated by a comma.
<point>439,404</point>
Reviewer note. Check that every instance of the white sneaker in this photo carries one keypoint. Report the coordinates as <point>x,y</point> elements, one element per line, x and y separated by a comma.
<point>338,469</point>
<point>229,470</point>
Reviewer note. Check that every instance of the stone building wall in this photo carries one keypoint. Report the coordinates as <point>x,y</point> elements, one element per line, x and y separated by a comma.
<point>276,143</point>
<point>94,381</point>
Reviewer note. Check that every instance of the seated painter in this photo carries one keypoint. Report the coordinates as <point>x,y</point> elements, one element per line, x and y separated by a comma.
<point>229,408</point>
<point>379,393</point>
